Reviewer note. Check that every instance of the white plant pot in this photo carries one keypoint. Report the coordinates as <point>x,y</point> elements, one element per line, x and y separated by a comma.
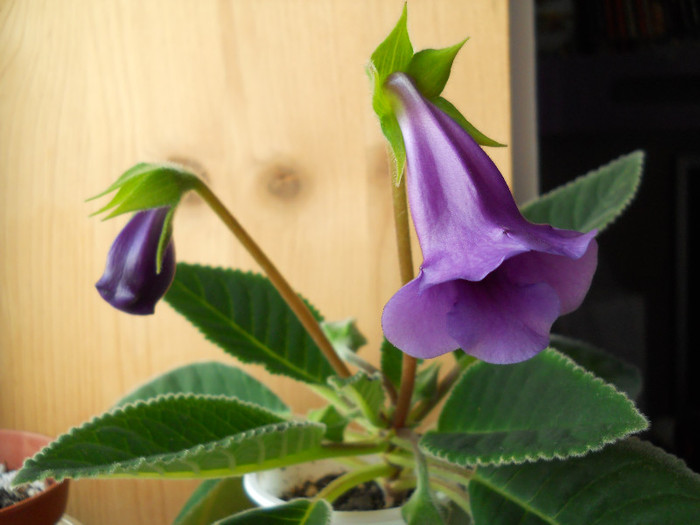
<point>264,488</point>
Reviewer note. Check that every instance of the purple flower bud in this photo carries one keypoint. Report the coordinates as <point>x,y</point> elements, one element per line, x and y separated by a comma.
<point>491,282</point>
<point>130,282</point>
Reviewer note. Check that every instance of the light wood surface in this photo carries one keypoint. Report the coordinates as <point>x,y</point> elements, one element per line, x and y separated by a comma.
<point>269,100</point>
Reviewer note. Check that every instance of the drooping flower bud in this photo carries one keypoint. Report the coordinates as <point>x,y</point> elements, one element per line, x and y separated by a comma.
<point>131,281</point>
<point>491,282</point>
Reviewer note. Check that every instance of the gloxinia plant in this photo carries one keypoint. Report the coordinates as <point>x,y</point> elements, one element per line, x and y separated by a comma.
<point>535,427</point>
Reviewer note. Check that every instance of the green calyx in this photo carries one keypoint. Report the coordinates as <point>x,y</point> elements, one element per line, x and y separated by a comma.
<point>146,186</point>
<point>429,69</point>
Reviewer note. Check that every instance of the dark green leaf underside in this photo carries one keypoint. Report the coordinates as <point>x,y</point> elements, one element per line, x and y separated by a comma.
<point>297,512</point>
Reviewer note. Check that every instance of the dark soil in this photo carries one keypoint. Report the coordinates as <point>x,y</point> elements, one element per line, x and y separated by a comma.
<point>367,496</point>
<point>10,496</point>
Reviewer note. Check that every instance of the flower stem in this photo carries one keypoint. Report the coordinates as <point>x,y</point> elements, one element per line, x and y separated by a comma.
<point>293,300</point>
<point>341,485</point>
<point>403,242</point>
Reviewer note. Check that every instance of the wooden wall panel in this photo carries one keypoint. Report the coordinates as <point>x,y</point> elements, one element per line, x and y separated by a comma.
<point>269,100</point>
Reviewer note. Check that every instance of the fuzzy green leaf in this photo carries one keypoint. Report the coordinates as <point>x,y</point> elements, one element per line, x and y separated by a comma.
<point>296,512</point>
<point>422,508</point>
<point>212,500</point>
<point>210,378</point>
<point>430,69</point>
<point>592,201</point>
<point>365,392</point>
<point>334,421</point>
<point>426,383</point>
<point>628,482</point>
<point>543,408</point>
<point>624,376</point>
<point>391,362</point>
<point>244,315</point>
<point>177,437</point>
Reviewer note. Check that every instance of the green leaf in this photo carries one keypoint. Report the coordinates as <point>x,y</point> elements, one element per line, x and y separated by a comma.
<point>628,482</point>
<point>391,362</point>
<point>344,335</point>
<point>146,186</point>
<point>481,139</point>
<point>244,315</point>
<point>426,383</point>
<point>421,508</point>
<point>542,408</point>
<point>300,512</point>
<point>212,500</point>
<point>624,376</point>
<point>177,437</point>
<point>430,68</point>
<point>209,378</point>
<point>592,201</point>
<point>365,392</point>
<point>334,421</point>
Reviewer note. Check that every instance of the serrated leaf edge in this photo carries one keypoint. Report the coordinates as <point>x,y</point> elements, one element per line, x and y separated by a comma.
<point>257,275</point>
<point>531,458</point>
<point>592,174</point>
<point>169,457</point>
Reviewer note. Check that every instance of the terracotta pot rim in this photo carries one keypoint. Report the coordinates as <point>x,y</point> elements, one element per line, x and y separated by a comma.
<point>55,493</point>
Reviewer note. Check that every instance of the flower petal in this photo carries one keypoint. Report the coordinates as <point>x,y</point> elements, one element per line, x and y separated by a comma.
<point>500,322</point>
<point>414,320</point>
<point>130,281</point>
<point>570,278</point>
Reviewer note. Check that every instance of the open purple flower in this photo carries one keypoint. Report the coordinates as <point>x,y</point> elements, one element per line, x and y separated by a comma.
<point>130,281</point>
<point>491,282</point>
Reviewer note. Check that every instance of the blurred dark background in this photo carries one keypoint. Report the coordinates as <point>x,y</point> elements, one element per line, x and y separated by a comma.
<point>614,76</point>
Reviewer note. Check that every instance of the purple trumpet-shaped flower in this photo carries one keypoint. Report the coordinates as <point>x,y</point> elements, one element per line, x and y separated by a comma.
<point>491,282</point>
<point>130,281</point>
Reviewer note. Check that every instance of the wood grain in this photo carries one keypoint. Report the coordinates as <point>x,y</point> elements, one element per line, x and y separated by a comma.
<point>269,101</point>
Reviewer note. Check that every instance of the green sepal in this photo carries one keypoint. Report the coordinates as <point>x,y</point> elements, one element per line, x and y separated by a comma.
<point>296,512</point>
<point>430,68</point>
<point>481,139</point>
<point>334,421</point>
<point>543,408</point>
<point>147,186</point>
<point>392,55</point>
<point>392,132</point>
<point>628,482</point>
<point>210,378</point>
